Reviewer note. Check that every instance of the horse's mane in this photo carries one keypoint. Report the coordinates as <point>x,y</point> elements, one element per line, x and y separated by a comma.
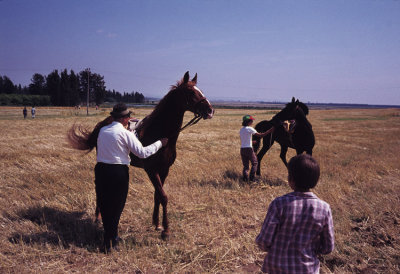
<point>160,107</point>
<point>303,107</point>
<point>280,113</point>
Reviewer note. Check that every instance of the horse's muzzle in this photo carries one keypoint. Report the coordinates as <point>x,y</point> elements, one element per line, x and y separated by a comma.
<point>209,114</point>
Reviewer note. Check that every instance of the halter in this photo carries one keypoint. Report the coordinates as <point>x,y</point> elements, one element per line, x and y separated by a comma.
<point>197,117</point>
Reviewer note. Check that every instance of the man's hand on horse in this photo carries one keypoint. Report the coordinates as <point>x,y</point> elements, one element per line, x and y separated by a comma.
<point>164,141</point>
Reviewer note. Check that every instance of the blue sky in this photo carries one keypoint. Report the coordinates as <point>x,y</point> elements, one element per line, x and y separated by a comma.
<point>336,51</point>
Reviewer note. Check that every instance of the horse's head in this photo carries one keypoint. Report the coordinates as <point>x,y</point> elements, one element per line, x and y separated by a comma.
<point>291,109</point>
<point>288,112</point>
<point>194,99</point>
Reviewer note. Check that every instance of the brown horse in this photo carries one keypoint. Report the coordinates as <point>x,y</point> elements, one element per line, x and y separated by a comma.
<point>164,121</point>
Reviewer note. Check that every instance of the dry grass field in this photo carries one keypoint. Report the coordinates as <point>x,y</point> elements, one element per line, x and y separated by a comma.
<point>47,198</point>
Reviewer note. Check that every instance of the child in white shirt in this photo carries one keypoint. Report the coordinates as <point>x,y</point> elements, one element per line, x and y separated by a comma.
<point>246,150</point>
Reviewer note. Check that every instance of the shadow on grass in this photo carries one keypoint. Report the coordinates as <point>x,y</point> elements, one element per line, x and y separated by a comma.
<point>233,175</point>
<point>134,242</point>
<point>274,182</point>
<point>60,228</point>
<point>233,180</point>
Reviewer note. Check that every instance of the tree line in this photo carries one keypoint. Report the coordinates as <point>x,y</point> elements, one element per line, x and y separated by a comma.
<point>63,89</point>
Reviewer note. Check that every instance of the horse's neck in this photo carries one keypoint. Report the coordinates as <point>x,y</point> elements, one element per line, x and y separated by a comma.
<point>281,115</point>
<point>278,118</point>
<point>167,121</point>
<point>302,120</point>
<point>171,120</point>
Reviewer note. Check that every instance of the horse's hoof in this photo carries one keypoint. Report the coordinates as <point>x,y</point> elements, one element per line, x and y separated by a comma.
<point>164,235</point>
<point>159,228</point>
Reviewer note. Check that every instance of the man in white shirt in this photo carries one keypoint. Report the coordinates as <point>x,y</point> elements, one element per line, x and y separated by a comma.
<point>114,144</point>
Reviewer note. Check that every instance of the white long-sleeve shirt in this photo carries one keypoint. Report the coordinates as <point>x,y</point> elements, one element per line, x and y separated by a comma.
<point>115,142</point>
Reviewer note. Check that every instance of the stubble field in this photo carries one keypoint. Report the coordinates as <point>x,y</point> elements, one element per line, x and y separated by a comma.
<point>47,198</point>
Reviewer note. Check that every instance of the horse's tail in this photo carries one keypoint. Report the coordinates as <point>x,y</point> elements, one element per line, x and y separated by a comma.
<point>78,136</point>
<point>82,138</point>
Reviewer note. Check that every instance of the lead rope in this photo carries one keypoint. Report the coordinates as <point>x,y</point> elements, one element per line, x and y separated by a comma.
<point>192,122</point>
<point>270,139</point>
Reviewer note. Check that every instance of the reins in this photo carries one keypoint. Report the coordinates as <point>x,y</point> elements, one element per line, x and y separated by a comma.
<point>192,122</point>
<point>270,140</point>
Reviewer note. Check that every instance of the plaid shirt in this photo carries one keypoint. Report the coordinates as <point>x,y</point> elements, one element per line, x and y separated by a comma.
<point>298,226</point>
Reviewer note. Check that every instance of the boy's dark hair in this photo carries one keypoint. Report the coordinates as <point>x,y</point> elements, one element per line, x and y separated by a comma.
<point>246,123</point>
<point>303,171</point>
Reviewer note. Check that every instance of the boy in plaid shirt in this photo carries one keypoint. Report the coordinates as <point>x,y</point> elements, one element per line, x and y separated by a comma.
<point>298,225</point>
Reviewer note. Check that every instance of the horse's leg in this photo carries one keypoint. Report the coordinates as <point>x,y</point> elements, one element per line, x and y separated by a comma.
<point>163,199</point>
<point>264,149</point>
<point>156,211</point>
<point>284,150</point>
<point>157,202</point>
<point>165,232</point>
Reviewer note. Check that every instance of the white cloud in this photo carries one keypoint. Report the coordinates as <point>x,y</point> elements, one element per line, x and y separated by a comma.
<point>106,34</point>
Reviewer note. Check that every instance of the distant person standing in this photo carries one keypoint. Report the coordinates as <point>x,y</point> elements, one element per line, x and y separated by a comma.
<point>25,112</point>
<point>33,112</point>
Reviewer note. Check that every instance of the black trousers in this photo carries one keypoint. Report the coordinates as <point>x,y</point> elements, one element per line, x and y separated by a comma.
<point>112,183</point>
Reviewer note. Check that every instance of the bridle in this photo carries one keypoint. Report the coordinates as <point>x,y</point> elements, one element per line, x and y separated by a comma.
<point>197,116</point>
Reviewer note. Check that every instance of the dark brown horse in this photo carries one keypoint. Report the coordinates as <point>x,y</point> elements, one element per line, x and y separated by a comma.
<point>164,121</point>
<point>301,138</point>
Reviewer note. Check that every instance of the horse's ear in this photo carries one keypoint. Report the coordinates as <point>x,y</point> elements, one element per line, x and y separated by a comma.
<point>293,99</point>
<point>194,80</point>
<point>297,101</point>
<point>186,77</point>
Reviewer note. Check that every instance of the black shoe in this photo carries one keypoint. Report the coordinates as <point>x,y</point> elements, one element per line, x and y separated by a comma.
<point>254,180</point>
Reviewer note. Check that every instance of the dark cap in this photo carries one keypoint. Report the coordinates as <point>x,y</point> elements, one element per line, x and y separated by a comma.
<point>120,110</point>
<point>248,117</point>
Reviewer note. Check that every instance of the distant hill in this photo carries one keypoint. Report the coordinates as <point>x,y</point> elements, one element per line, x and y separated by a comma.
<point>277,105</point>
<point>280,105</point>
